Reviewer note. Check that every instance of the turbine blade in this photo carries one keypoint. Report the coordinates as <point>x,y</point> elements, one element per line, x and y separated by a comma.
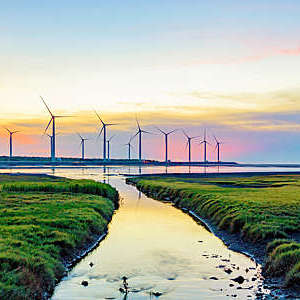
<point>47,106</point>
<point>135,135</point>
<point>112,124</point>
<point>99,117</point>
<point>147,132</point>
<point>131,137</point>
<point>138,124</point>
<point>186,145</point>
<point>48,124</point>
<point>170,132</point>
<point>100,131</point>
<point>111,137</point>
<point>195,137</point>
<point>7,129</point>
<point>215,139</point>
<point>185,133</point>
<point>160,130</point>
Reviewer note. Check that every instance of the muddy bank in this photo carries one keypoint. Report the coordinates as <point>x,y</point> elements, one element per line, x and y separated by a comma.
<point>235,242</point>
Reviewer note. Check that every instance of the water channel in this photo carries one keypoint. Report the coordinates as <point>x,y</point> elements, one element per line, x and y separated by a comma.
<point>157,247</point>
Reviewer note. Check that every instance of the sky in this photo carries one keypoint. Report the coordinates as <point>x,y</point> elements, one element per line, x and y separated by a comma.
<point>226,65</point>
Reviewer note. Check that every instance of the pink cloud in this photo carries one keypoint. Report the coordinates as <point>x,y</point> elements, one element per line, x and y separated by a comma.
<point>292,52</point>
<point>249,58</point>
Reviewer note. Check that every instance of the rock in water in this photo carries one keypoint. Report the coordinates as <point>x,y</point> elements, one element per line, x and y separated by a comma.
<point>84,283</point>
<point>239,279</point>
<point>228,271</point>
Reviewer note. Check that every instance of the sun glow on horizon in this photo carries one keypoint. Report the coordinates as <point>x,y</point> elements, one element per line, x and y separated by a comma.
<point>231,68</point>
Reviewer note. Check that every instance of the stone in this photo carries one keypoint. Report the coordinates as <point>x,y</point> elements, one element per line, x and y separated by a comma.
<point>84,283</point>
<point>239,279</point>
<point>228,271</point>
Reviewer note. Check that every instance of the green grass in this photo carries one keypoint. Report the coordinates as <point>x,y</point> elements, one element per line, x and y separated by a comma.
<point>43,221</point>
<point>260,209</point>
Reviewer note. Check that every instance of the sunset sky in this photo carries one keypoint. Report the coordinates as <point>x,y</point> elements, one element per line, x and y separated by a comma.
<point>230,66</point>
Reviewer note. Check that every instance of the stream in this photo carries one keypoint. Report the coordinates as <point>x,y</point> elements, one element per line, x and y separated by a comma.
<point>158,248</point>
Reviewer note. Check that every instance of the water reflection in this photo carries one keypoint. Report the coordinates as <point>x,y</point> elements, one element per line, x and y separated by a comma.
<point>160,250</point>
<point>106,174</point>
<point>158,247</point>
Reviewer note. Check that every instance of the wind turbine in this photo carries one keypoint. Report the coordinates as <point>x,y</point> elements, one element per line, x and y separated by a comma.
<point>11,133</point>
<point>218,143</point>
<point>129,147</point>
<point>108,146</point>
<point>166,134</point>
<point>82,144</point>
<point>205,142</point>
<point>52,120</point>
<point>188,144</point>
<point>104,125</point>
<point>139,133</point>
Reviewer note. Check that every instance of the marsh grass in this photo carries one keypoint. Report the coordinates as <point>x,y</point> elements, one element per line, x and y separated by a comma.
<point>258,208</point>
<point>44,222</point>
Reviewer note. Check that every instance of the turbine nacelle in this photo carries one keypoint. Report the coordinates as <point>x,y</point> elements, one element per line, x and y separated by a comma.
<point>166,133</point>
<point>11,132</point>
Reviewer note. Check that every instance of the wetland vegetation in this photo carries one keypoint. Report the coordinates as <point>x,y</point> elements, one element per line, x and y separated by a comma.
<point>44,221</point>
<point>262,209</point>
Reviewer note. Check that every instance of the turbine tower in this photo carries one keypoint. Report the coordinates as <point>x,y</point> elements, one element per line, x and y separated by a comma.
<point>108,147</point>
<point>52,120</point>
<point>129,148</point>
<point>103,128</point>
<point>82,144</point>
<point>205,142</point>
<point>218,143</point>
<point>11,133</point>
<point>51,141</point>
<point>166,134</point>
<point>139,133</point>
<point>189,144</point>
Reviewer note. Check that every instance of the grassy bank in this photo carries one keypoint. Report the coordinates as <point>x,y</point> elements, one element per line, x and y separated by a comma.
<point>44,220</point>
<point>260,209</point>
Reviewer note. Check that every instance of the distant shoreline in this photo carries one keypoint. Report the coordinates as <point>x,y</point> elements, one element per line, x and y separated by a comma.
<point>33,162</point>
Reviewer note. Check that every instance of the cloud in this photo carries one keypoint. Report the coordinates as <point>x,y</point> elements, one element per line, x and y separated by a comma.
<point>258,54</point>
<point>274,101</point>
<point>270,111</point>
